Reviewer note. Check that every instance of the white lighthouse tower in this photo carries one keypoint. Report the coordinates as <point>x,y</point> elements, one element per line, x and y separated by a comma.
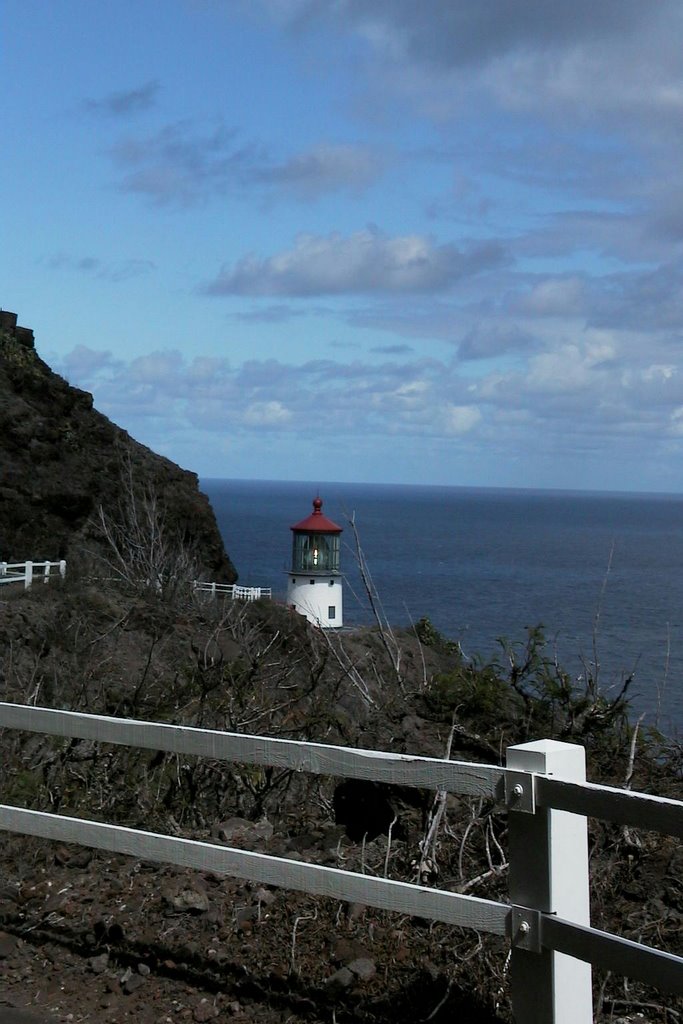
<point>314,585</point>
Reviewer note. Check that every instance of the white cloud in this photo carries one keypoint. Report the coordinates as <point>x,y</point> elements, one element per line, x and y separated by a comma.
<point>325,167</point>
<point>412,391</point>
<point>460,419</point>
<point>364,262</point>
<point>620,56</point>
<point>184,163</point>
<point>267,414</point>
<point>106,270</point>
<point>84,363</point>
<point>155,368</point>
<point>578,396</point>
<point>125,102</point>
<point>580,368</point>
<point>556,296</point>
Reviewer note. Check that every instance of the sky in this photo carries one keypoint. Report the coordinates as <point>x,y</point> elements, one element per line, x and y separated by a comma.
<point>357,240</point>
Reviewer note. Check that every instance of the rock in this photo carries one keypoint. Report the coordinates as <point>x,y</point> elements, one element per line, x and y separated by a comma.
<point>80,859</point>
<point>242,833</point>
<point>131,982</point>
<point>340,980</point>
<point>246,915</point>
<point>364,968</point>
<point>9,893</point>
<point>431,969</point>
<point>99,964</point>
<point>8,944</point>
<point>135,982</point>
<point>71,857</point>
<point>304,843</point>
<point>218,956</point>
<point>412,726</point>
<point>345,950</point>
<point>355,911</point>
<point>189,901</point>
<point>38,892</point>
<point>204,1011</point>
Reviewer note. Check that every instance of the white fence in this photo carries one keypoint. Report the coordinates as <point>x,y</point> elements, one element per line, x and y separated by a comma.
<point>27,572</point>
<point>543,786</point>
<point>231,590</point>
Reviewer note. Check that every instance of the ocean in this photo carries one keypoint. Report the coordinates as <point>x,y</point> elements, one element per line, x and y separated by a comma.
<point>601,572</point>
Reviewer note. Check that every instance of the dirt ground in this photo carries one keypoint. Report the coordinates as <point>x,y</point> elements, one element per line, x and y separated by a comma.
<point>95,937</point>
<point>91,936</point>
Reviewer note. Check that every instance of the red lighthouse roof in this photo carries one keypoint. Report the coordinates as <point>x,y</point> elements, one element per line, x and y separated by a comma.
<point>316,522</point>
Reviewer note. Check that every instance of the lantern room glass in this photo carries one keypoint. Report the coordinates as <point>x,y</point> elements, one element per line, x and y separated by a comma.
<point>315,552</point>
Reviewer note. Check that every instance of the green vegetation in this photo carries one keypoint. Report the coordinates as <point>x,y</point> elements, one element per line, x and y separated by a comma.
<point>122,649</point>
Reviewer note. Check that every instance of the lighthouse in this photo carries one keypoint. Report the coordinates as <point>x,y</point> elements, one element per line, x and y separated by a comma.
<point>314,586</point>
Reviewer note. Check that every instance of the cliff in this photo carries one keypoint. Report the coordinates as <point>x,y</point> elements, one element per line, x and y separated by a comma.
<point>61,460</point>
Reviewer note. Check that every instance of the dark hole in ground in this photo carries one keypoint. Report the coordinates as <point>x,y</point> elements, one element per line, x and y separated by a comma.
<point>364,810</point>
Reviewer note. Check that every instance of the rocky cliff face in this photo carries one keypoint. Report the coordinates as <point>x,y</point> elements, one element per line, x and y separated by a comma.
<point>60,460</point>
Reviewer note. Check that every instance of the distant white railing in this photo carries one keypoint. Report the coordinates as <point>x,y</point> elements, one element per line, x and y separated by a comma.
<point>232,590</point>
<point>543,787</point>
<point>27,572</point>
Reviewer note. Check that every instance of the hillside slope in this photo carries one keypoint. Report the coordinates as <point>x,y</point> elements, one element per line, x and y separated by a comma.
<point>104,937</point>
<point>61,459</point>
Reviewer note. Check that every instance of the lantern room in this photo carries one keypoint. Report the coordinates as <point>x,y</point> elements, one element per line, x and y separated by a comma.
<point>314,587</point>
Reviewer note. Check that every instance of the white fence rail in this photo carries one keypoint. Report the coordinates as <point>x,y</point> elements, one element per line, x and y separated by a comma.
<point>233,591</point>
<point>27,572</point>
<point>546,920</point>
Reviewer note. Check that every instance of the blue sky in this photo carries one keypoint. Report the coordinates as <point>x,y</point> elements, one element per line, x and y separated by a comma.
<point>366,240</point>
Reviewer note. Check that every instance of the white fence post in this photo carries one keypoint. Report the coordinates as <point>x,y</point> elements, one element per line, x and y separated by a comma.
<point>28,575</point>
<point>62,568</point>
<point>549,872</point>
